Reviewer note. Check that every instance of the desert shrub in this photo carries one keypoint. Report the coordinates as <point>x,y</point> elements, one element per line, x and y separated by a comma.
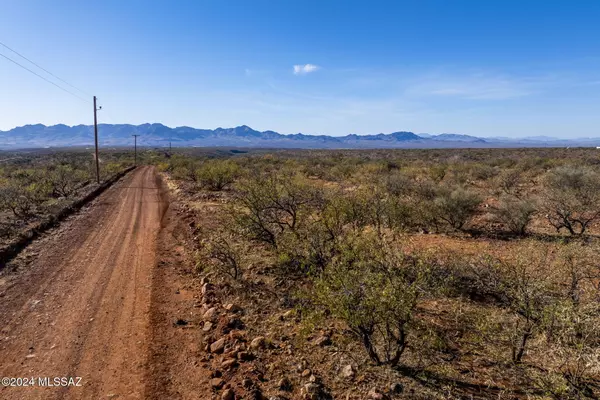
<point>21,201</point>
<point>64,180</point>
<point>572,198</point>
<point>483,172</point>
<point>374,290</point>
<point>573,331</point>
<point>508,182</point>
<point>515,214</point>
<point>579,272</point>
<point>217,174</point>
<point>398,184</point>
<point>163,166</point>
<point>437,172</point>
<point>374,202</point>
<point>273,205</point>
<point>572,350</point>
<point>109,169</point>
<point>6,229</point>
<point>307,251</point>
<point>456,206</point>
<point>524,286</point>
<point>225,256</point>
<point>403,214</point>
<point>183,168</point>
<point>459,174</point>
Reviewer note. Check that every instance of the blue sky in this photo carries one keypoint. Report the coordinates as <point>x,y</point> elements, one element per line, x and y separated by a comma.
<point>485,68</point>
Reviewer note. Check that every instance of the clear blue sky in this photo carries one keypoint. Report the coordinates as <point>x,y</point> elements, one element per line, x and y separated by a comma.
<point>486,68</point>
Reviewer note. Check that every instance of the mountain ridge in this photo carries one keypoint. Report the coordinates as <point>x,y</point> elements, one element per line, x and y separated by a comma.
<point>157,135</point>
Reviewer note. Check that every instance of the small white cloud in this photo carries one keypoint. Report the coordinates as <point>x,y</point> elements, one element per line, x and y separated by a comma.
<point>305,69</point>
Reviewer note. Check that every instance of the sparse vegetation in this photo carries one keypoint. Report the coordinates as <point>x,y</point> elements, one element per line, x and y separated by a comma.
<point>572,198</point>
<point>459,273</point>
<point>35,185</point>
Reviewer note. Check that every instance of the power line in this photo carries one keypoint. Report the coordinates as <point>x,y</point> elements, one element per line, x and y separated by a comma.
<point>44,69</point>
<point>47,80</point>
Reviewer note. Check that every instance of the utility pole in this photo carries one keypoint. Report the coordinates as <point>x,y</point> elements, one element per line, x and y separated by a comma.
<point>96,140</point>
<point>135,149</point>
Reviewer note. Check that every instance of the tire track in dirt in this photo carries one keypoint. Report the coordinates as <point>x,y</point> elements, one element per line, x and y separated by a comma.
<point>83,307</point>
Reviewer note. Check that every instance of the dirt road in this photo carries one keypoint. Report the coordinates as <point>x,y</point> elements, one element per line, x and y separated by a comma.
<point>81,308</point>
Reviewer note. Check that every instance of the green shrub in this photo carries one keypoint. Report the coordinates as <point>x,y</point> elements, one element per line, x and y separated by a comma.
<point>515,214</point>
<point>64,180</point>
<point>267,207</point>
<point>217,174</point>
<point>21,201</point>
<point>524,285</point>
<point>572,198</point>
<point>374,290</point>
<point>456,206</point>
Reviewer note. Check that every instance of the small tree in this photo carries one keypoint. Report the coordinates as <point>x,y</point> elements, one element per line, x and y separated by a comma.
<point>217,174</point>
<point>374,290</point>
<point>19,200</point>
<point>523,285</point>
<point>457,206</point>
<point>572,198</point>
<point>225,256</point>
<point>269,206</point>
<point>508,182</point>
<point>64,180</point>
<point>515,214</point>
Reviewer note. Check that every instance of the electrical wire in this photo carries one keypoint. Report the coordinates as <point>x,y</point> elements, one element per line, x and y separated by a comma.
<point>47,80</point>
<point>45,70</point>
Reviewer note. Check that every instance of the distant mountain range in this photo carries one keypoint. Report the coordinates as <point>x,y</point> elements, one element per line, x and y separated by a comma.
<point>158,135</point>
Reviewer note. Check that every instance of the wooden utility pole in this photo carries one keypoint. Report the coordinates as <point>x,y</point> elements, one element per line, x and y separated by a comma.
<point>135,149</point>
<point>96,141</point>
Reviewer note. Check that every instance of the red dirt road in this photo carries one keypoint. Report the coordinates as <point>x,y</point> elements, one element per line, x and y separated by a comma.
<point>82,307</point>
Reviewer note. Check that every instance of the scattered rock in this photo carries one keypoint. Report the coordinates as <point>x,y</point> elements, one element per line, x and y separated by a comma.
<point>323,341</point>
<point>207,326</point>
<point>207,287</point>
<point>347,372</point>
<point>210,313</point>
<point>218,346</point>
<point>396,388</point>
<point>217,383</point>
<point>230,363</point>
<point>181,322</point>
<point>258,342</point>
<point>312,378</point>
<point>306,373</point>
<point>238,335</point>
<point>233,308</point>
<point>228,394</point>
<point>233,353</point>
